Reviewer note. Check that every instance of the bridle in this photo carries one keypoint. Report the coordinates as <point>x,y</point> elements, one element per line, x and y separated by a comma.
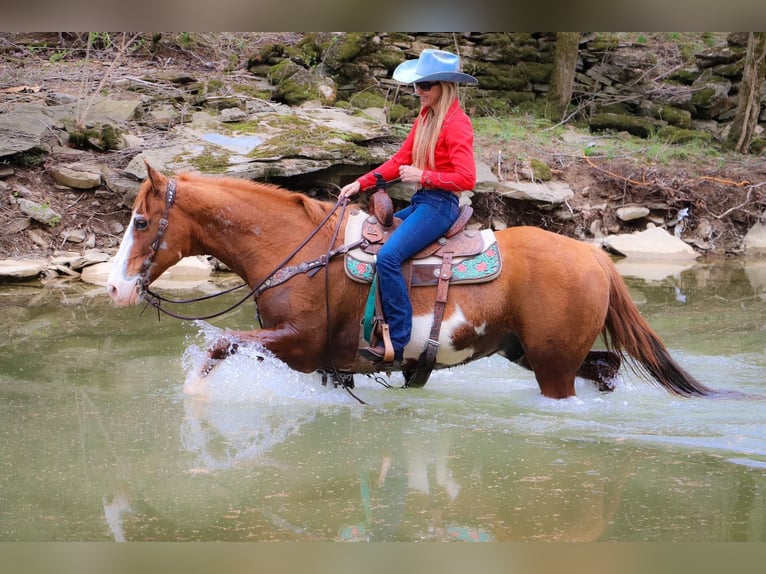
<point>143,274</point>
<point>281,273</point>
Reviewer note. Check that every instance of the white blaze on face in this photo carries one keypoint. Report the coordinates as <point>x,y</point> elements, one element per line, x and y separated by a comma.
<point>447,354</point>
<point>120,286</point>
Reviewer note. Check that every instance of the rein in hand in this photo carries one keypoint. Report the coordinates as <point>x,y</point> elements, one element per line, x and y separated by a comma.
<point>272,279</point>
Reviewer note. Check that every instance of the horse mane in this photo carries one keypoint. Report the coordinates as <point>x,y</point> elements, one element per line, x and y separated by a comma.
<point>315,210</point>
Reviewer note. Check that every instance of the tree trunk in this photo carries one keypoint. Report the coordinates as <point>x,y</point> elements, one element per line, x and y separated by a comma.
<point>562,77</point>
<point>749,104</point>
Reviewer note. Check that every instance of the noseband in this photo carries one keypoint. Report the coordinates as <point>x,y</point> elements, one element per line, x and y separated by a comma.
<point>143,274</point>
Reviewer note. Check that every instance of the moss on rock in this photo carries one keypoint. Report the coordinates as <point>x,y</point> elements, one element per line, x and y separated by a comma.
<point>676,116</point>
<point>540,170</point>
<point>679,135</point>
<point>637,126</point>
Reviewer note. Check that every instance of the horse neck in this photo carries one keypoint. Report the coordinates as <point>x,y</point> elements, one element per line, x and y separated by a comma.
<point>249,228</point>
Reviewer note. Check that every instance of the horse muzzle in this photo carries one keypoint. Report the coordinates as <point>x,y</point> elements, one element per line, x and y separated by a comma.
<point>124,293</point>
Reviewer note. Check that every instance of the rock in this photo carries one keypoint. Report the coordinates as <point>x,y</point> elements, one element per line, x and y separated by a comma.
<point>653,242</point>
<point>110,110</point>
<point>22,129</point>
<point>115,227</point>
<point>97,274</point>
<point>484,173</point>
<point>231,115</point>
<point>164,116</point>
<point>126,187</point>
<point>38,211</point>
<point>541,171</point>
<point>631,212</point>
<point>637,126</point>
<point>16,225</point>
<point>74,235</point>
<point>40,238</point>
<point>22,268</point>
<point>754,242</point>
<point>79,261</point>
<point>189,273</point>
<point>76,176</point>
<point>551,192</point>
<point>711,95</point>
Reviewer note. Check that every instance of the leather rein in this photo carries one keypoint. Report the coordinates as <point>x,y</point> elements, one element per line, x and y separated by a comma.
<point>279,275</point>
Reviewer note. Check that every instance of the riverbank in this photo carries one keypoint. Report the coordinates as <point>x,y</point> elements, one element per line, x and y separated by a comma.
<point>614,184</point>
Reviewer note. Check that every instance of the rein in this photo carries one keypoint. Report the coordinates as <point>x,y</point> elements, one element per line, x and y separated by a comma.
<point>279,275</point>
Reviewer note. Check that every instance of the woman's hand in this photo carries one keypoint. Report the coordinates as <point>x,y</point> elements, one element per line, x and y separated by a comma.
<point>350,189</point>
<point>410,174</point>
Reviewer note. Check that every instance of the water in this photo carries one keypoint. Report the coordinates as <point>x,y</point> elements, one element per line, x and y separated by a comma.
<point>101,442</point>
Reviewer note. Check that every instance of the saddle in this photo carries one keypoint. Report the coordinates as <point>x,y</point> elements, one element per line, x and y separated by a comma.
<point>475,257</point>
<point>461,256</point>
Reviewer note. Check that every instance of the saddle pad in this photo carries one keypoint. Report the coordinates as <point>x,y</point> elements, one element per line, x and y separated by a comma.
<point>484,266</point>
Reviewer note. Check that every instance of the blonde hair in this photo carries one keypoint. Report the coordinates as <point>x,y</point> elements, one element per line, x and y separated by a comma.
<point>429,126</point>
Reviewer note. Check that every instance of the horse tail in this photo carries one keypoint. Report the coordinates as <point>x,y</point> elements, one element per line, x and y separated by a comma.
<point>630,335</point>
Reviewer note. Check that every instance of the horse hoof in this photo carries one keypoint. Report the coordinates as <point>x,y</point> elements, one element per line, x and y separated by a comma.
<point>221,349</point>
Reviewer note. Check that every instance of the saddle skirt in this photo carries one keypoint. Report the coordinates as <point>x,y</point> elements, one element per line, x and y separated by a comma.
<point>475,253</point>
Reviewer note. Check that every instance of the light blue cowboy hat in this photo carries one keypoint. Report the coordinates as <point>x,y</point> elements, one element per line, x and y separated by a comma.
<point>434,66</point>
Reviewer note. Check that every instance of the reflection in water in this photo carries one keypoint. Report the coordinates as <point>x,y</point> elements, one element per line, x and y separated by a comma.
<point>100,441</point>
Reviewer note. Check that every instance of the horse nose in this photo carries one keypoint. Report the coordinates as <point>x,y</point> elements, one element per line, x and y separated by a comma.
<point>111,290</point>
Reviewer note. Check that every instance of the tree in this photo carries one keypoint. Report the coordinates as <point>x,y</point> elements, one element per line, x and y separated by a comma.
<point>562,77</point>
<point>749,104</point>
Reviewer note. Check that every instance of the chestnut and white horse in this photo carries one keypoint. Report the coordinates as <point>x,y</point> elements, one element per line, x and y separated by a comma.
<point>552,300</point>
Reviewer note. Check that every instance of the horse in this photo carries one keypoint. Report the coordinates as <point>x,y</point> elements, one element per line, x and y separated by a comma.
<point>553,299</point>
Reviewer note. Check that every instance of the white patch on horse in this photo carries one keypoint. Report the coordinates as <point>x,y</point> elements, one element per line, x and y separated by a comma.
<point>121,288</point>
<point>447,354</point>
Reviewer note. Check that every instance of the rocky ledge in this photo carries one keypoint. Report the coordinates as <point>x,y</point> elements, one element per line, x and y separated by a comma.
<point>65,193</point>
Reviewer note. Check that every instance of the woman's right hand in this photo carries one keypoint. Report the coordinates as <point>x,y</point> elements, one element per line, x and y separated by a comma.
<point>350,189</point>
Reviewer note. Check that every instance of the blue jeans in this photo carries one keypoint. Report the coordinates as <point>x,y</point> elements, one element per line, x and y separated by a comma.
<point>428,217</point>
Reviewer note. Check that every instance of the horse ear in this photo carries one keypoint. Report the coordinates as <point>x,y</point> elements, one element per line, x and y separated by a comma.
<point>159,181</point>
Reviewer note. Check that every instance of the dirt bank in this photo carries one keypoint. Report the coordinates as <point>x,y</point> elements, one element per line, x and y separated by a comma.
<point>724,195</point>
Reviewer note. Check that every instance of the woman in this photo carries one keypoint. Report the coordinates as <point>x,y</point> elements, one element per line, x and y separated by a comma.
<point>437,155</point>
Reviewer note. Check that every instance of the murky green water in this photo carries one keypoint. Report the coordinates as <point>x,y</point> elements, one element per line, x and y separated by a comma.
<point>99,441</point>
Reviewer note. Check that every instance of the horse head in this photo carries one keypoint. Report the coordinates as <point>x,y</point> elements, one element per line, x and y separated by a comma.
<point>145,251</point>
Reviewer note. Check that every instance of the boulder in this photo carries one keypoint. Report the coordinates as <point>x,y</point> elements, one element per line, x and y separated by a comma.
<point>553,192</point>
<point>76,176</point>
<point>40,212</point>
<point>652,243</point>
<point>189,273</point>
<point>631,212</point>
<point>22,268</point>
<point>754,242</point>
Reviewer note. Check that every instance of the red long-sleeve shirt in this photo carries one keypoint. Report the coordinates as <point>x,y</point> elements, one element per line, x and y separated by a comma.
<point>455,167</point>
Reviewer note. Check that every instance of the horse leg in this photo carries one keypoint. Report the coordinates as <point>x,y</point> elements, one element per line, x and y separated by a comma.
<point>286,343</point>
<point>601,367</point>
<point>555,376</point>
<point>555,379</point>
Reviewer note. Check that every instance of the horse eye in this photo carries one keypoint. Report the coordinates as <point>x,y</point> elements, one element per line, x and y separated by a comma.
<point>140,223</point>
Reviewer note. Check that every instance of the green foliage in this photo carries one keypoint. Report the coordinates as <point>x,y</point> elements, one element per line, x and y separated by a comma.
<point>186,39</point>
<point>60,55</point>
<point>527,127</point>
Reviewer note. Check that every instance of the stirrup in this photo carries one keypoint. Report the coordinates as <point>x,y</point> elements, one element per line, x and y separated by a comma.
<point>382,334</point>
